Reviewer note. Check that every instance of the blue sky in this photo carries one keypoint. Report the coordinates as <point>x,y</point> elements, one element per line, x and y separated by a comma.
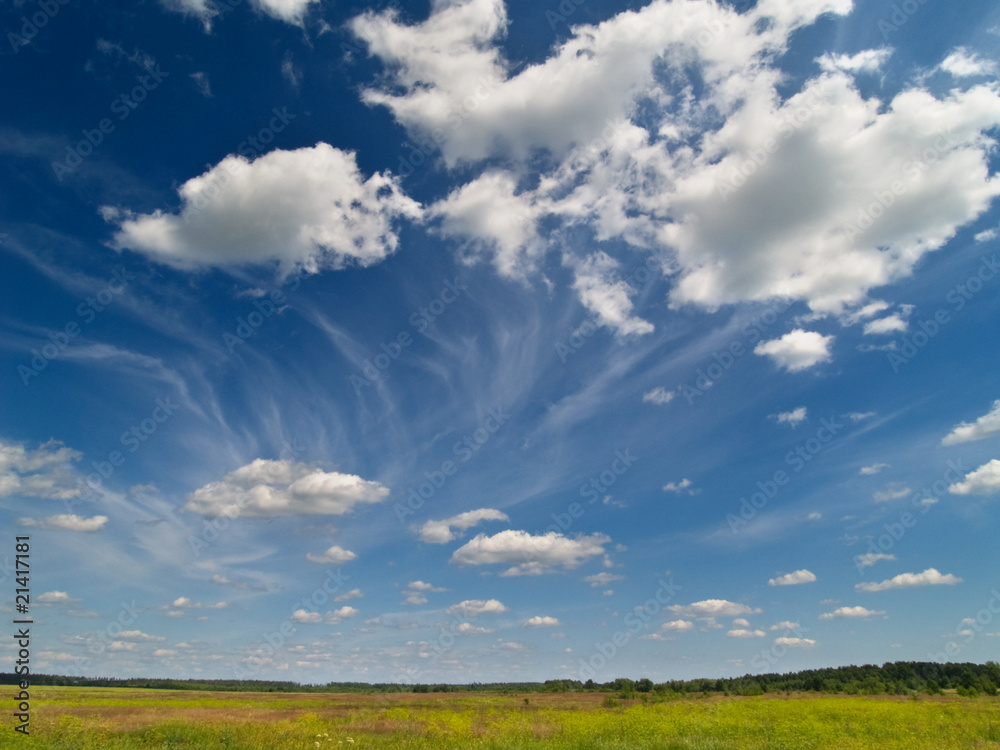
<point>482,341</point>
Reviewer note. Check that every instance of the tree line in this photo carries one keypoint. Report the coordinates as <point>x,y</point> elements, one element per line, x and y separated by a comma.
<point>895,678</point>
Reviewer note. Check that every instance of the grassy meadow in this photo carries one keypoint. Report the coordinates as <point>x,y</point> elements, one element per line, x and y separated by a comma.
<point>123,718</point>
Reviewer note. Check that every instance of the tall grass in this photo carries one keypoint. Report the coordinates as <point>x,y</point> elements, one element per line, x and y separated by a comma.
<point>123,719</point>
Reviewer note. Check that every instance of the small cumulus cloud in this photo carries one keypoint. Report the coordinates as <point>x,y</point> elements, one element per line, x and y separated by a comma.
<point>475,607</point>
<point>335,555</point>
<point>542,621</point>
<point>449,529</point>
<point>659,396</point>
<point>872,469</point>
<point>793,579</point>
<point>983,481</point>
<point>682,486</point>
<point>793,418</point>
<point>986,426</point>
<point>930,577</point>
<point>849,613</point>
<point>65,522</point>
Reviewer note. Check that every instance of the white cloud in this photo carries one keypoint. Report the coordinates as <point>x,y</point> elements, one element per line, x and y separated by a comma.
<point>447,74</point>
<point>786,625</point>
<point>283,488</point>
<point>866,61</point>
<point>330,618</point>
<point>873,469</point>
<point>44,472</point>
<point>542,621</point>
<point>475,607</point>
<point>795,642</point>
<point>983,481</point>
<point>790,229</point>
<point>423,586</point>
<point>304,210</point>
<point>352,594</point>
<point>808,240</point>
<point>602,291</point>
<point>744,633</point>
<point>531,555</point>
<point>444,531</point>
<point>509,645</point>
<point>67,522</point>
<point>793,417</point>
<point>183,602</point>
<point>987,234</point>
<point>679,487</point>
<point>796,350</point>
<point>602,579</point>
<point>467,628</point>
<point>890,493</point>
<point>849,612</point>
<point>891,324</point>
<point>492,220</point>
<point>659,396</point>
<point>858,416</point>
<point>741,622</point>
<point>986,426</point>
<point>793,579</point>
<point>963,63</point>
<point>289,11</point>
<point>138,635</point>
<point>678,626</point>
<point>333,556</point>
<point>711,608</point>
<point>55,597</point>
<point>204,85</point>
<point>870,558</point>
<point>930,577</point>
<point>415,592</point>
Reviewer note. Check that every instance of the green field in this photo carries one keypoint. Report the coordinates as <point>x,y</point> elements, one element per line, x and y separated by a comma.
<point>119,718</point>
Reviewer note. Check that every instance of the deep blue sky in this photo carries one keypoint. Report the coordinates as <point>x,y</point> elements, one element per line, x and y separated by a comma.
<point>597,284</point>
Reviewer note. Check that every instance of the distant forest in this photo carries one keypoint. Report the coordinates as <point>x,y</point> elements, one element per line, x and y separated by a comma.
<point>896,678</point>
